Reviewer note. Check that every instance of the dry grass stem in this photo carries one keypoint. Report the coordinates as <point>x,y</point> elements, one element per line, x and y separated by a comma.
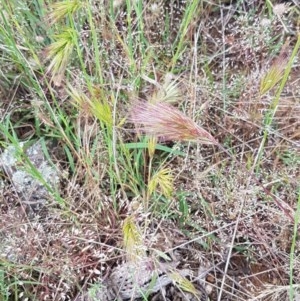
<point>121,85</point>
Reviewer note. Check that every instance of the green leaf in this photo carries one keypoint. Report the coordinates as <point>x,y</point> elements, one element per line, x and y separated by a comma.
<point>139,145</point>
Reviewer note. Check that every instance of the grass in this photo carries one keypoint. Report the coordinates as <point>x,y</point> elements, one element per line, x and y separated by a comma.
<point>175,131</point>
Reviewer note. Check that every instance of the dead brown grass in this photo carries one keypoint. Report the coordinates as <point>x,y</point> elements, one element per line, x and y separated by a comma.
<point>231,229</point>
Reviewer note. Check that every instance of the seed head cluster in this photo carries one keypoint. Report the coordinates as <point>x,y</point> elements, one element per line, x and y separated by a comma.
<point>167,123</point>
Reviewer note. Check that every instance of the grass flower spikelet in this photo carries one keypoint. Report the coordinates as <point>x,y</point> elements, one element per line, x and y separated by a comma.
<point>164,180</point>
<point>62,9</point>
<point>133,242</point>
<point>60,52</point>
<point>167,123</point>
<point>275,73</point>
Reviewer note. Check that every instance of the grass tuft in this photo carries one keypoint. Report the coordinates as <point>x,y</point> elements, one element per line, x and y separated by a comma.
<point>175,139</point>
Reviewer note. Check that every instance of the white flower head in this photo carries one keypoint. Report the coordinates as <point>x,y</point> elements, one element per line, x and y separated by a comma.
<point>280,9</point>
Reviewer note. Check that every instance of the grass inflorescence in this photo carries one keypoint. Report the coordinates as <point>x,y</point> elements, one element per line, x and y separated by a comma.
<point>173,127</point>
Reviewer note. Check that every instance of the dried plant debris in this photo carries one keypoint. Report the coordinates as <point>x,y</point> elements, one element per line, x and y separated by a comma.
<point>134,280</point>
<point>242,41</point>
<point>192,80</point>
